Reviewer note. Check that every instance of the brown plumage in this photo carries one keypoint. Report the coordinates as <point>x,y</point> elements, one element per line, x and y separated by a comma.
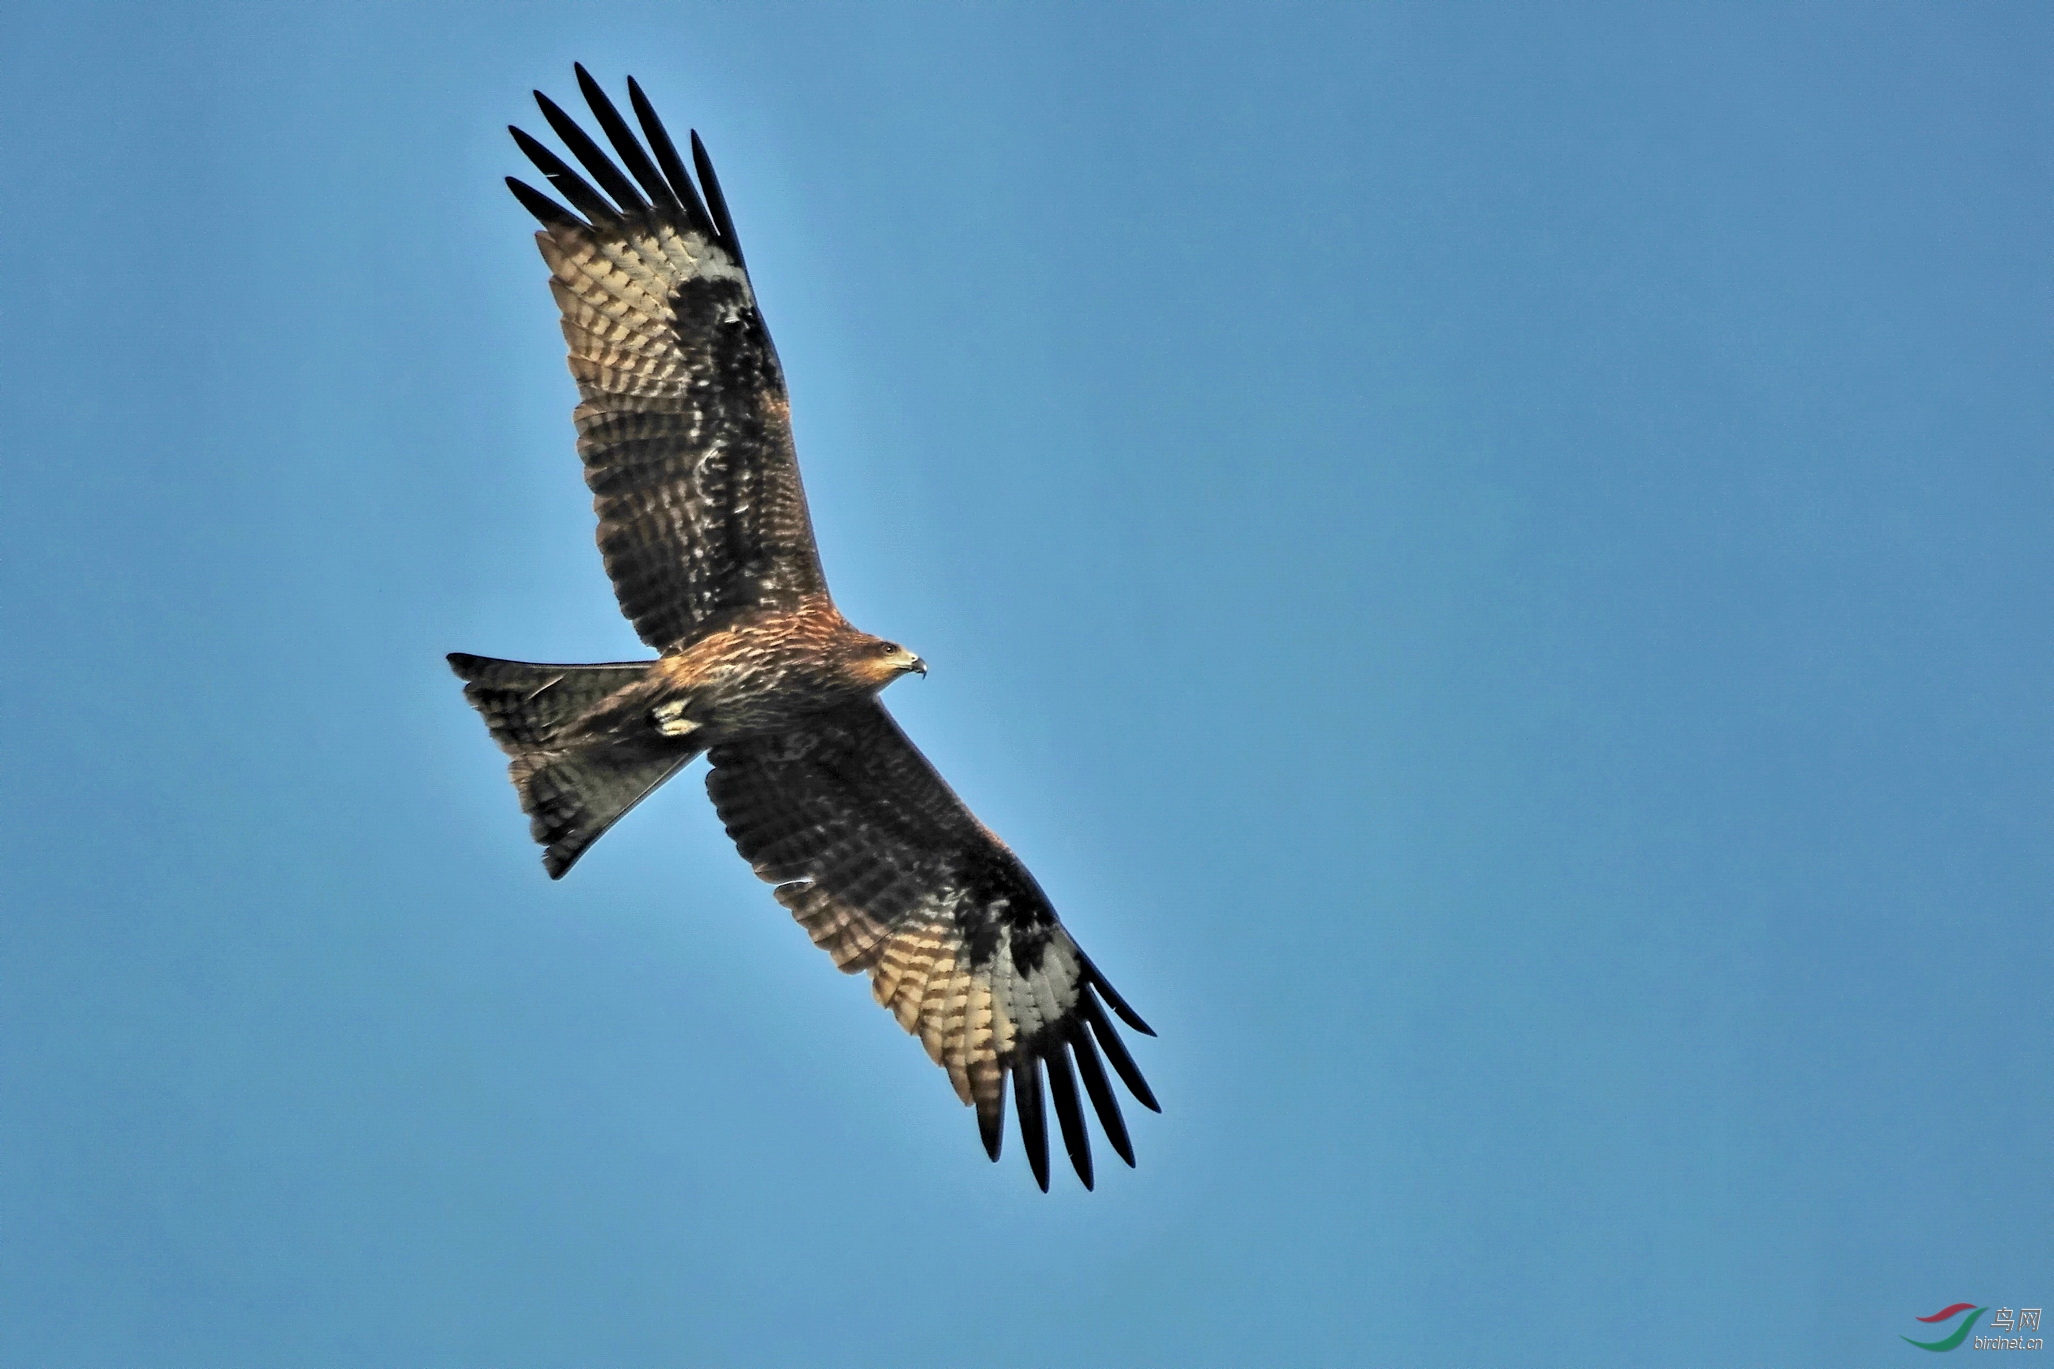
<point>684,428</point>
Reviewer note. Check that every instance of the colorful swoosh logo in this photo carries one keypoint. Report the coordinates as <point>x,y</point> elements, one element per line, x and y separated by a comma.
<point>1961,1332</point>
<point>1944,1313</point>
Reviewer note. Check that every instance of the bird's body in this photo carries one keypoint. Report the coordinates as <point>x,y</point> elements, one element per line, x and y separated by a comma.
<point>765,672</point>
<point>684,429</point>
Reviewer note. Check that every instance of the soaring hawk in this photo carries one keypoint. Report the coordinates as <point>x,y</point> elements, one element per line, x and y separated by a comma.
<point>684,428</point>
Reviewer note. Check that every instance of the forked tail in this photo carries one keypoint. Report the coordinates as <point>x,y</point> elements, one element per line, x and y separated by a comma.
<point>572,791</point>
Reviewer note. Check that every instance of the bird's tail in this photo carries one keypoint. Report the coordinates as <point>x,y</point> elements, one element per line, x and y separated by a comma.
<point>572,787</point>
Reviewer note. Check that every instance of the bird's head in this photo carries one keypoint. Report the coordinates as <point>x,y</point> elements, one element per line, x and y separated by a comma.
<point>878,662</point>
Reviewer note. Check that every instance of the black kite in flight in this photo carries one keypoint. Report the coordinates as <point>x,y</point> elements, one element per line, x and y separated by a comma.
<point>684,428</point>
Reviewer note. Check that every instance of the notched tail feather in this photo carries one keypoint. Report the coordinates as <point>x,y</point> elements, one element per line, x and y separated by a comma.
<point>571,790</point>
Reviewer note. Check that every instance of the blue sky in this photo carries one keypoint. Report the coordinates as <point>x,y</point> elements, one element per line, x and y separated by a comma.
<point>1494,560</point>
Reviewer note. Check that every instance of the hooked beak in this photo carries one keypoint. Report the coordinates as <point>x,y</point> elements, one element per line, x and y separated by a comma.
<point>919,667</point>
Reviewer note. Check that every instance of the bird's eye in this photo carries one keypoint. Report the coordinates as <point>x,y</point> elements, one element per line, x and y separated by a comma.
<point>887,648</point>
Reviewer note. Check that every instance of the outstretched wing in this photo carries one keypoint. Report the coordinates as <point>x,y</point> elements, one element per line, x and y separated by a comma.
<point>684,425</point>
<point>889,872</point>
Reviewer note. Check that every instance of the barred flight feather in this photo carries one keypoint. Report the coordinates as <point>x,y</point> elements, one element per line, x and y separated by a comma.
<point>701,517</point>
<point>684,429</point>
<point>891,875</point>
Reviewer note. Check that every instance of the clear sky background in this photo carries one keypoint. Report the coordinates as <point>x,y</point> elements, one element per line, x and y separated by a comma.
<point>1494,559</point>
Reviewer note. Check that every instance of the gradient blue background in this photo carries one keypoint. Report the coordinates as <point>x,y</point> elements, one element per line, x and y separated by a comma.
<point>1494,559</point>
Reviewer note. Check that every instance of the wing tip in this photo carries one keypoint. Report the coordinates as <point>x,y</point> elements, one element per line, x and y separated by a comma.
<point>558,172</point>
<point>1062,1090</point>
<point>716,200</point>
<point>1112,997</point>
<point>616,184</point>
<point>666,184</point>
<point>991,1128</point>
<point>551,214</point>
<point>1116,1053</point>
<point>1103,1102</point>
<point>1033,1122</point>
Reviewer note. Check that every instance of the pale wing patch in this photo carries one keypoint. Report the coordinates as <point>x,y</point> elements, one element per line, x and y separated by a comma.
<point>969,1018</point>
<point>890,875</point>
<point>919,971</point>
<point>850,936</point>
<point>618,320</point>
<point>630,268</point>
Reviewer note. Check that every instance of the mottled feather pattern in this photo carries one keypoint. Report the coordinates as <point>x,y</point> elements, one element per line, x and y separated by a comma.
<point>571,793</point>
<point>888,872</point>
<point>683,424</point>
<point>684,429</point>
<point>524,702</point>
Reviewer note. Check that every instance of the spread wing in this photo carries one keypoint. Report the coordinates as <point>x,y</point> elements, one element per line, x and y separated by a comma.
<point>889,873</point>
<point>684,425</point>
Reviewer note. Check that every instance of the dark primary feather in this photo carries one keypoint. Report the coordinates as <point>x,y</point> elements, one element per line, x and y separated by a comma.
<point>673,168</point>
<point>1101,1093</point>
<point>890,873</point>
<point>624,144</point>
<point>684,430</point>
<point>715,200</point>
<point>1062,1088</point>
<point>1115,1002</point>
<point>1116,1050</point>
<point>684,425</point>
<point>590,157</point>
<point>1033,1126</point>
<point>568,183</point>
<point>552,214</point>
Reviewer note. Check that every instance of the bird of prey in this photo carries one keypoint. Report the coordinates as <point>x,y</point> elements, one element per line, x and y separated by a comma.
<point>684,429</point>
